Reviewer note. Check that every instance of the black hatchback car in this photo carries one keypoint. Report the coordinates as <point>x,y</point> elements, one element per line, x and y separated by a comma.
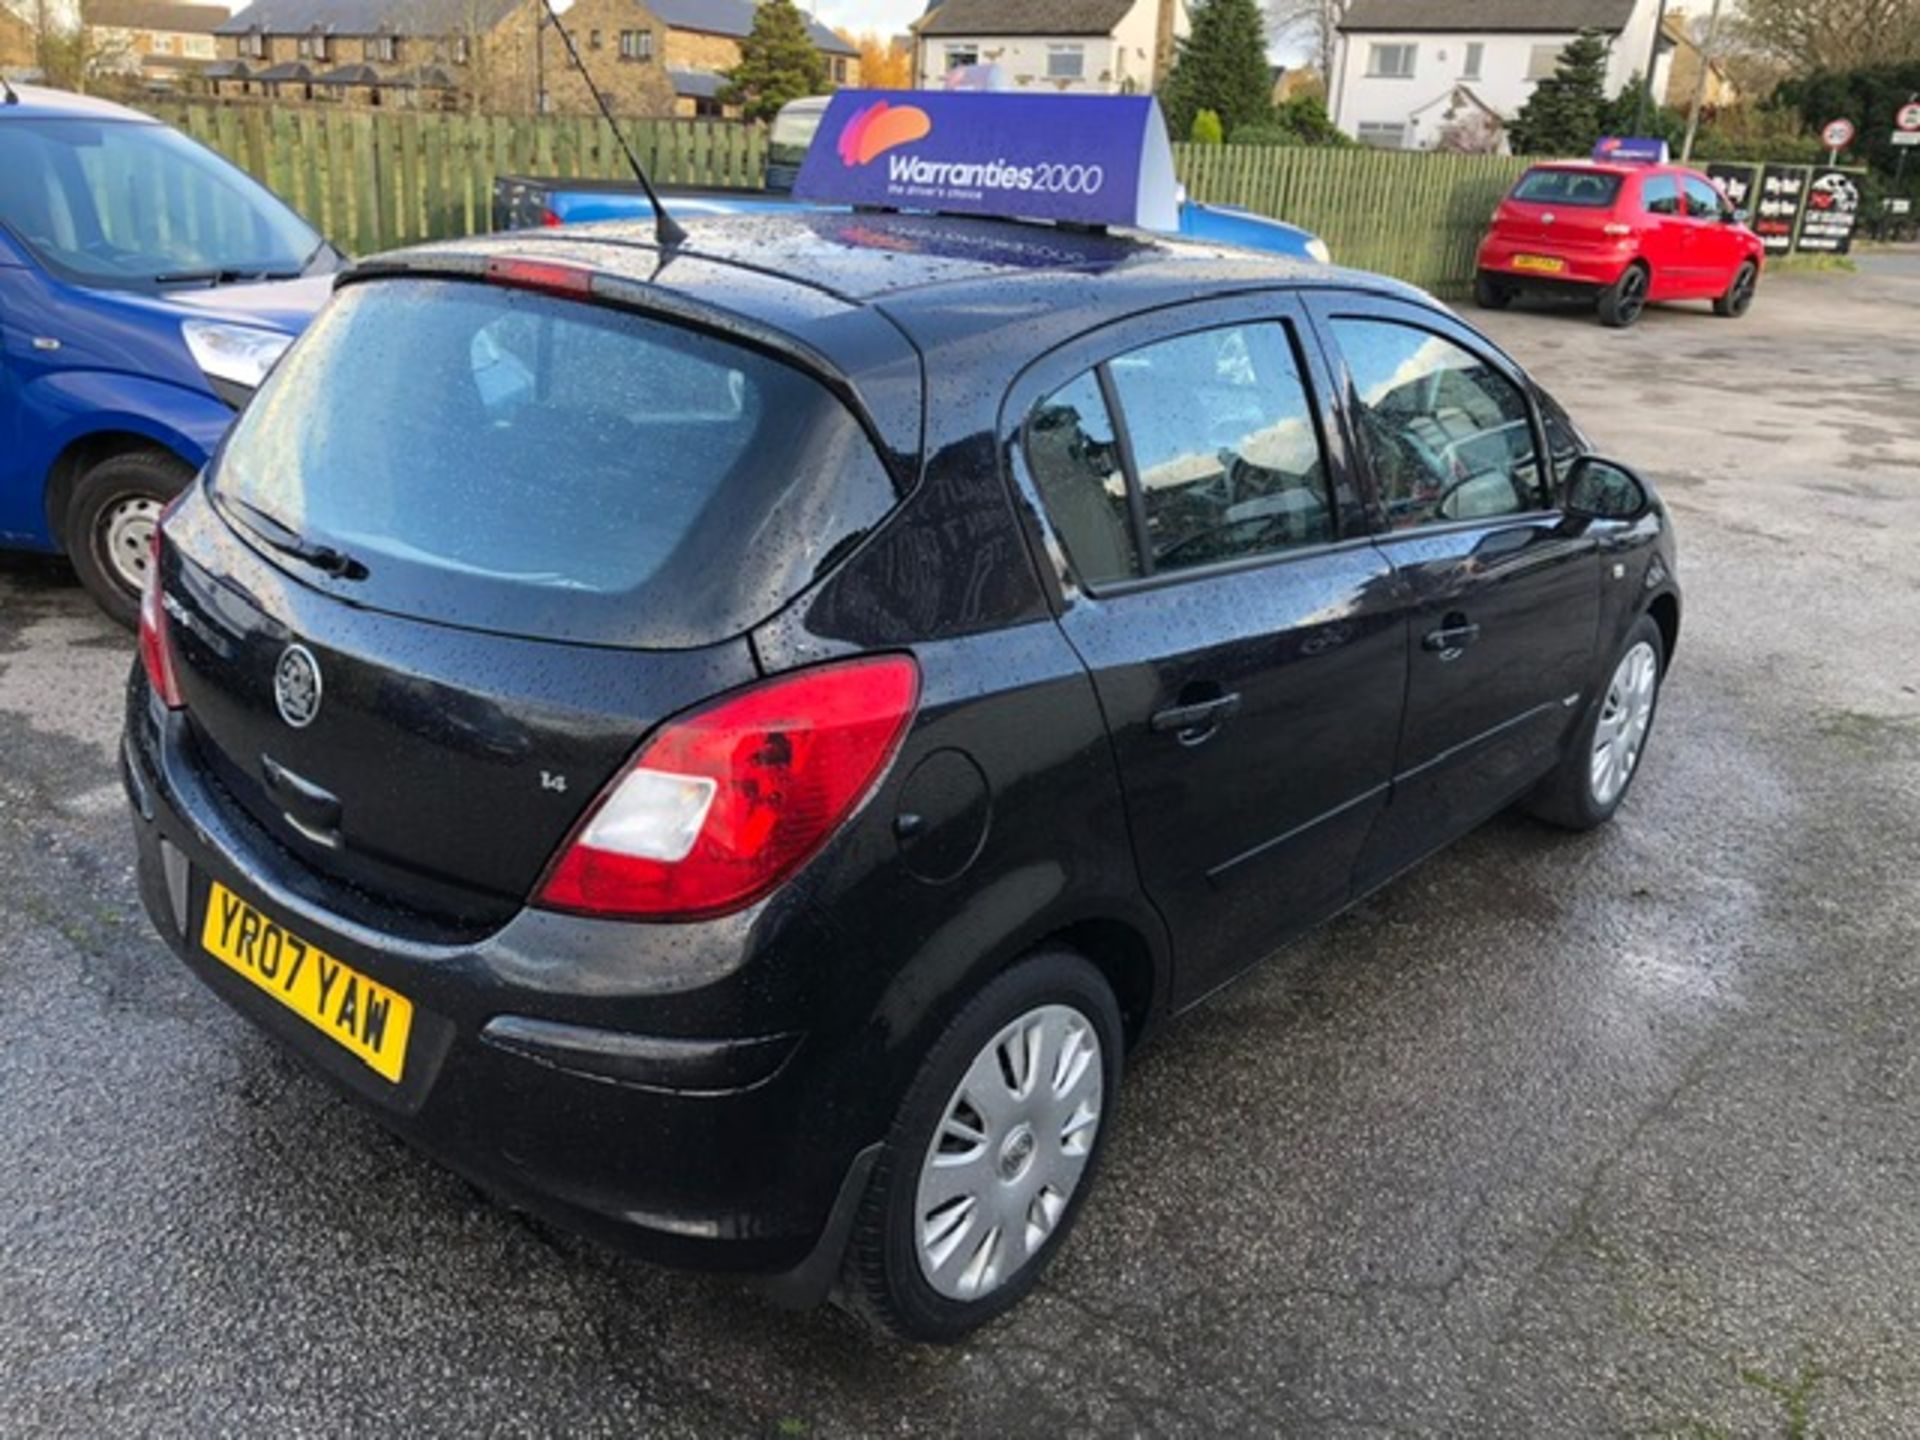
<point>730,747</point>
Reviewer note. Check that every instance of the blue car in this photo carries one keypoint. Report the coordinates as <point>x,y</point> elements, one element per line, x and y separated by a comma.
<point>146,286</point>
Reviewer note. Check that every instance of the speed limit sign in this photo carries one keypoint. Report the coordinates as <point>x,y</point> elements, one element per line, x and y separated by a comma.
<point>1838,134</point>
<point>1909,117</point>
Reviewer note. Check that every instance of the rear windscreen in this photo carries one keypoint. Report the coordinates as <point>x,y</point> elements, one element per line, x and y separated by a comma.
<point>518,463</point>
<point>1567,187</point>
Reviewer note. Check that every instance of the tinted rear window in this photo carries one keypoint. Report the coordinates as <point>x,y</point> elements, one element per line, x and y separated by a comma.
<point>534,466</point>
<point>1567,187</point>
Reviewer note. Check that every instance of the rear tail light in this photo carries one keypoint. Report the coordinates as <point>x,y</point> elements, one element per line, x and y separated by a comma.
<point>549,218</point>
<point>723,805</point>
<point>156,644</point>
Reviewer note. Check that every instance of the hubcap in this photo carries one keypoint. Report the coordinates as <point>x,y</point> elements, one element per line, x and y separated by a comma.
<point>1624,717</point>
<point>1009,1152</point>
<point>126,538</point>
<point>1633,290</point>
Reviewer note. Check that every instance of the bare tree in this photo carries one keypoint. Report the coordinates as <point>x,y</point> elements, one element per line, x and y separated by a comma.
<point>1833,34</point>
<point>1316,22</point>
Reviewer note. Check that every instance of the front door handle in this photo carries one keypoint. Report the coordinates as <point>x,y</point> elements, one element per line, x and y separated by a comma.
<point>1195,722</point>
<point>1451,638</point>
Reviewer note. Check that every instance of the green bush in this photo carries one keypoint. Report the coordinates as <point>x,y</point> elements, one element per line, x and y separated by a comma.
<point>1207,129</point>
<point>1264,135</point>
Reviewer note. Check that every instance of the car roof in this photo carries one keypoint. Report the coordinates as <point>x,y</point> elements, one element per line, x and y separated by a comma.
<point>39,103</point>
<point>934,276</point>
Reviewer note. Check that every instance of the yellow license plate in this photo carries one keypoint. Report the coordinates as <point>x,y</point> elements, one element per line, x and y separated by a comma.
<point>354,1012</point>
<point>1551,264</point>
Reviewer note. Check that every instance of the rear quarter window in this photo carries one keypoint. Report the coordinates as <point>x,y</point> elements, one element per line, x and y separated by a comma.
<point>1567,187</point>
<point>517,463</point>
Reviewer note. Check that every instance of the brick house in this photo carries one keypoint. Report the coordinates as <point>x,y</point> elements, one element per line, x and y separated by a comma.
<point>703,43</point>
<point>155,41</point>
<point>17,49</point>
<point>662,57</point>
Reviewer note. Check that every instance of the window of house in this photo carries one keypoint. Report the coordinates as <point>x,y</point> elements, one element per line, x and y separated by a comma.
<point>593,39</point>
<point>256,46</point>
<point>1543,60</point>
<point>960,57</point>
<point>1476,55</point>
<point>319,47</point>
<point>462,49</point>
<point>1660,195</point>
<point>380,47</point>
<point>305,47</point>
<point>1449,436</point>
<point>636,45</point>
<point>839,69</point>
<point>1066,62</point>
<point>1381,135</point>
<point>1391,62</point>
<point>163,44</point>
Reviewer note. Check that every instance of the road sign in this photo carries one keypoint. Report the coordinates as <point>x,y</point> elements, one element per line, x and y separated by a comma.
<point>1906,137</point>
<point>1909,117</point>
<point>1837,135</point>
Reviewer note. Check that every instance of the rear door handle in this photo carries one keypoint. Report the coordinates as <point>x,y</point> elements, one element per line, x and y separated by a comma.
<point>1450,640</point>
<point>1198,720</point>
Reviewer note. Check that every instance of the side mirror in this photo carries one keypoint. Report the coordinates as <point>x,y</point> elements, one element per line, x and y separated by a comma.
<point>1599,489</point>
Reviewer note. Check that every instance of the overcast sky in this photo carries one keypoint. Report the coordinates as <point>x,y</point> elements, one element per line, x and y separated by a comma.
<point>889,17</point>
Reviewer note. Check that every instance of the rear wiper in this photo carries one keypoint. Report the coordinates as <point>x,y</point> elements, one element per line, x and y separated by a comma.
<point>289,542</point>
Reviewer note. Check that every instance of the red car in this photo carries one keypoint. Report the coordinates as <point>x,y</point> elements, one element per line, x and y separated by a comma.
<point>1624,234</point>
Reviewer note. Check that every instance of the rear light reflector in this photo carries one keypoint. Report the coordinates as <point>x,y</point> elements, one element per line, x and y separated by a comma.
<point>542,275</point>
<point>723,805</point>
<point>1617,229</point>
<point>156,643</point>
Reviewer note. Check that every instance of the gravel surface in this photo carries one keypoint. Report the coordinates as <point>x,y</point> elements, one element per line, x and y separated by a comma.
<point>1609,1134</point>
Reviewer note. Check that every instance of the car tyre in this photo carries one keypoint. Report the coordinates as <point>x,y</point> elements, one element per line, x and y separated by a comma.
<point>1623,302</point>
<point>1592,780</point>
<point>1490,292</point>
<point>109,525</point>
<point>1740,292</point>
<point>923,1263</point>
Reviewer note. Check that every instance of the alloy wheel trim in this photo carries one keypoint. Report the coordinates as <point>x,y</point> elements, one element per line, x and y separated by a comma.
<point>1626,714</point>
<point>1009,1152</point>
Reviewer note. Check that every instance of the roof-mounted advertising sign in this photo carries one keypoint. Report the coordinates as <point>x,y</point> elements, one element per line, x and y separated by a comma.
<point>1080,159</point>
<point>1631,150</point>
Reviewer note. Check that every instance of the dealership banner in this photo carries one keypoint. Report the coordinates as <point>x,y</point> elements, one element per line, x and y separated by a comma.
<point>1833,205</point>
<point>1737,182</point>
<point>1081,159</point>
<point>1783,195</point>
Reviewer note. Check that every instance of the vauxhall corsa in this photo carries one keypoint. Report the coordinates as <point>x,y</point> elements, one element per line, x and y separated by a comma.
<point>731,741</point>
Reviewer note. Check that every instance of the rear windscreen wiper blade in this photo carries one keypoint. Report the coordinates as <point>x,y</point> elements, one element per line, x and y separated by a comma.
<point>289,542</point>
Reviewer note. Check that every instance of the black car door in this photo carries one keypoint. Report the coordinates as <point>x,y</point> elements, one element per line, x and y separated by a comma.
<point>1503,590</point>
<point>1242,631</point>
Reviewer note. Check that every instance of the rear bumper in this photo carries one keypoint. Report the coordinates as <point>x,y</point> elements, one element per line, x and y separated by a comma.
<point>704,1151</point>
<point>1592,268</point>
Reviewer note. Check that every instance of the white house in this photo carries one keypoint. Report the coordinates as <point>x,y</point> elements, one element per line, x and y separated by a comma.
<point>1075,47</point>
<point>1405,70</point>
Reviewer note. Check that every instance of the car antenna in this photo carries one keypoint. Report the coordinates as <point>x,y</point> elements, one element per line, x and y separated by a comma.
<point>666,229</point>
<point>12,95</point>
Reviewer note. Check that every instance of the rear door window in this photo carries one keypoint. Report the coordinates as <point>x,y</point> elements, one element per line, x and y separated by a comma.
<point>1703,201</point>
<point>528,465</point>
<point>1213,456</point>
